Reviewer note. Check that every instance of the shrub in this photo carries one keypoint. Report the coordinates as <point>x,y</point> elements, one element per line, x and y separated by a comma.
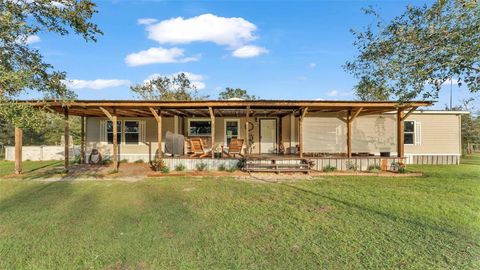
<point>180,168</point>
<point>241,163</point>
<point>106,161</point>
<point>374,168</point>
<point>351,166</point>
<point>398,167</point>
<point>222,167</point>
<point>159,165</point>
<point>232,169</point>
<point>329,168</point>
<point>202,166</point>
<point>124,160</point>
<point>139,161</point>
<point>165,169</point>
<point>76,159</point>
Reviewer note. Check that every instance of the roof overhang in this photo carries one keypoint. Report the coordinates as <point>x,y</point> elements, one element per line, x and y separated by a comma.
<point>141,108</point>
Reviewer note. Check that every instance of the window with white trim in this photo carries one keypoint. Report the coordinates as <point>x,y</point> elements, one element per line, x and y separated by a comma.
<point>109,128</point>
<point>232,129</point>
<point>409,132</point>
<point>197,127</point>
<point>131,131</point>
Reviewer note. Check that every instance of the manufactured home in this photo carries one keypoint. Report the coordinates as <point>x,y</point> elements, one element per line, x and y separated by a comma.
<point>278,131</point>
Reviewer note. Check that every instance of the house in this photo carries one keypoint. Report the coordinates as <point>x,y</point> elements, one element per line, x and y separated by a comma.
<point>323,131</point>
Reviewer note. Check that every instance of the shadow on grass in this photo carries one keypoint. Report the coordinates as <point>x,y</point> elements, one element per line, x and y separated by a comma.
<point>389,216</point>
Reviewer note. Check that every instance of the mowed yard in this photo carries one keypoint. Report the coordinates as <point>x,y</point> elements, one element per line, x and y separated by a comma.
<point>430,222</point>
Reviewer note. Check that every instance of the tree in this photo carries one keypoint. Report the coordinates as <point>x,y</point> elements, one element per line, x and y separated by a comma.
<point>229,93</point>
<point>470,123</point>
<point>418,51</point>
<point>368,90</point>
<point>22,68</point>
<point>176,87</point>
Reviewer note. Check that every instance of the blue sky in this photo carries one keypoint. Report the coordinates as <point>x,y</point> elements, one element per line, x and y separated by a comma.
<point>274,49</point>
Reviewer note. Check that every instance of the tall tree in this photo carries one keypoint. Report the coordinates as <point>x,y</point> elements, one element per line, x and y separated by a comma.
<point>22,68</point>
<point>416,52</point>
<point>176,87</point>
<point>229,93</point>
<point>470,122</point>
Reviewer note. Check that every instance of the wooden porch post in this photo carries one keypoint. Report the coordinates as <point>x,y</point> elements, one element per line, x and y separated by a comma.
<point>66,136</point>
<point>350,117</point>
<point>115,140</point>
<point>18,150</point>
<point>303,112</point>
<point>82,140</point>
<point>212,121</point>
<point>113,118</point>
<point>158,118</point>
<point>400,135</point>
<point>247,135</point>
<point>349,133</point>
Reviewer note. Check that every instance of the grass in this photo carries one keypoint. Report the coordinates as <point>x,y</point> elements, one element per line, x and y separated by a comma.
<point>29,167</point>
<point>430,222</point>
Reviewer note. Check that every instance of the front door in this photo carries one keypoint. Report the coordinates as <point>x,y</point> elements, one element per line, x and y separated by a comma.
<point>268,136</point>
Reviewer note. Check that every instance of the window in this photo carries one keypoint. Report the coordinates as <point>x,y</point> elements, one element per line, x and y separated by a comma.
<point>231,129</point>
<point>199,128</point>
<point>110,132</point>
<point>132,132</point>
<point>409,132</point>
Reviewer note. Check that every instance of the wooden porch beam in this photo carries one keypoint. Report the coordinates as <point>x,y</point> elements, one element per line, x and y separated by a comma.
<point>107,113</point>
<point>18,150</point>
<point>158,118</point>
<point>247,135</point>
<point>303,112</point>
<point>113,119</point>
<point>212,122</point>
<point>66,136</point>
<point>400,135</point>
<point>82,139</point>
<point>349,133</point>
<point>408,113</point>
<point>357,112</point>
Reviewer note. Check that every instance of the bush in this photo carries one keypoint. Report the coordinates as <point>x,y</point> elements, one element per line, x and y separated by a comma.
<point>76,159</point>
<point>398,167</point>
<point>374,168</point>
<point>139,161</point>
<point>180,168</point>
<point>124,160</point>
<point>351,166</point>
<point>329,168</point>
<point>160,166</point>
<point>222,167</point>
<point>202,166</point>
<point>106,161</point>
<point>232,169</point>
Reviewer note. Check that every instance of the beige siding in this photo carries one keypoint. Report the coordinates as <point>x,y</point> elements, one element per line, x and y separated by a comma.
<point>440,134</point>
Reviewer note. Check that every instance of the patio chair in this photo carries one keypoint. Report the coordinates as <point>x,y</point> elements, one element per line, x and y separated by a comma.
<point>197,148</point>
<point>234,147</point>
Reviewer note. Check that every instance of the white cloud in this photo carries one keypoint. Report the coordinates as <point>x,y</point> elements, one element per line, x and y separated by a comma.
<point>312,65</point>
<point>249,51</point>
<point>196,79</point>
<point>146,21</point>
<point>158,55</point>
<point>96,84</point>
<point>333,93</point>
<point>233,31</point>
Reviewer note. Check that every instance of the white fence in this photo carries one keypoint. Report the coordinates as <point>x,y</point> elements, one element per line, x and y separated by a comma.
<point>36,153</point>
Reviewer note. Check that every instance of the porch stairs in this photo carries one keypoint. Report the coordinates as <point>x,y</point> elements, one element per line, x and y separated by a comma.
<point>276,165</point>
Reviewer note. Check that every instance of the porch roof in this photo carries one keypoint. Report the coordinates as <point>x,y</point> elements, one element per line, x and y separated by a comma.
<point>227,108</point>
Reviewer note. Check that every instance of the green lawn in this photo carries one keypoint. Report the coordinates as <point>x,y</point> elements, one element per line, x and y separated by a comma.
<point>430,222</point>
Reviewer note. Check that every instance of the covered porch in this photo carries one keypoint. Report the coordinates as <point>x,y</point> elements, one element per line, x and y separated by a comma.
<point>268,129</point>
